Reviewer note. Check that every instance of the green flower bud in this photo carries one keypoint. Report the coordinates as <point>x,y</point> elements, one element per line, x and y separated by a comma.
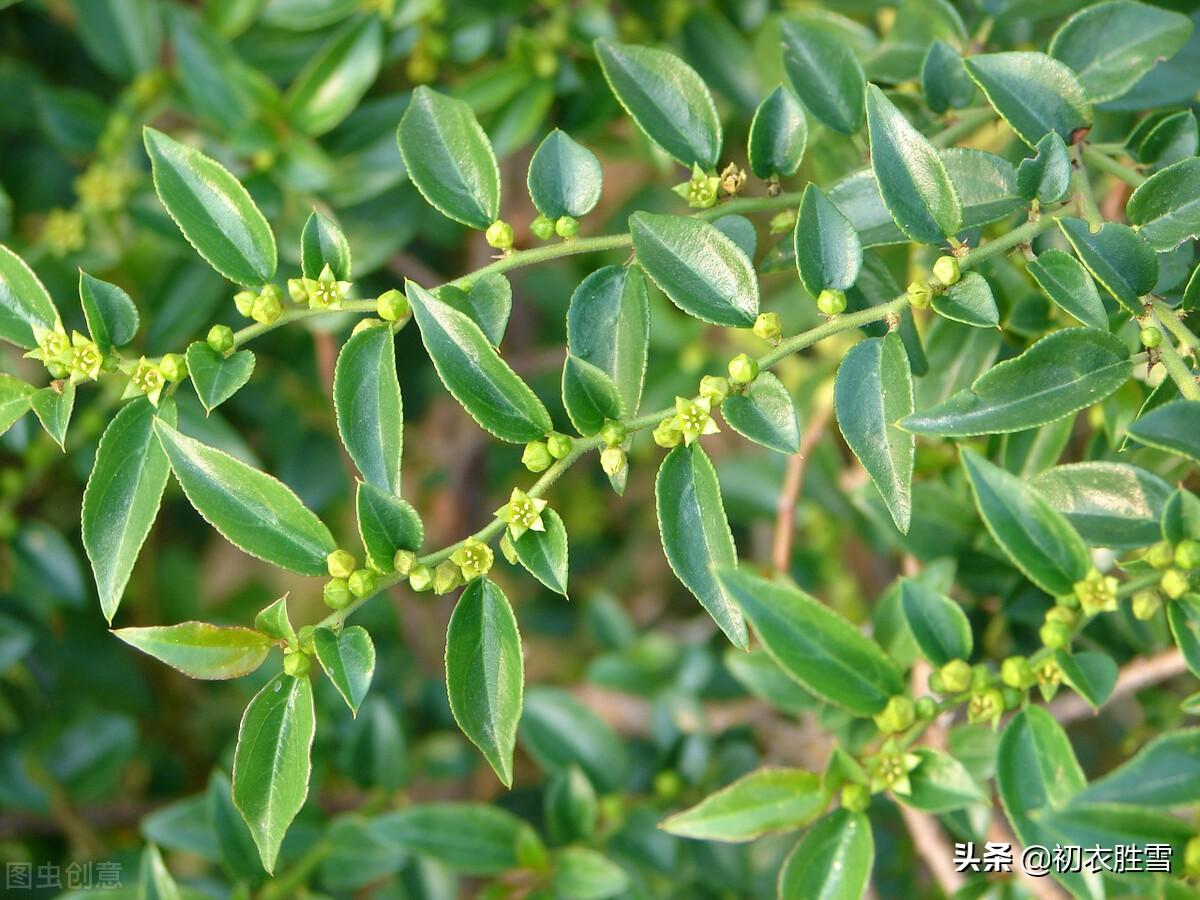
<point>946,270</point>
<point>559,445</point>
<point>341,563</point>
<point>612,461</point>
<point>392,306</point>
<point>1017,673</point>
<point>566,227</point>
<point>363,583</point>
<point>667,433</point>
<point>336,593</point>
<point>1160,555</point>
<point>926,708</point>
<point>542,228</point>
<point>420,578</point>
<point>856,797</point>
<point>446,577</point>
<point>1191,857</point>
<point>296,664</point>
<point>297,291</point>
<point>1063,614</point>
<point>981,678</point>
<point>536,456</point>
<point>267,309</point>
<point>57,370</point>
<point>404,562</point>
<point>173,367</point>
<point>898,715</point>
<point>919,294</point>
<point>955,676</point>
<point>499,235</point>
<point>474,559</point>
<point>743,369</point>
<point>508,550</point>
<point>1174,583</point>
<point>831,303</point>
<point>1055,635</point>
<point>612,432</point>
<point>304,637</point>
<point>244,301</point>
<point>714,389</point>
<point>668,784</point>
<point>1145,605</point>
<point>768,327</point>
<point>220,339</point>
<point>1187,554</point>
<point>1151,337</point>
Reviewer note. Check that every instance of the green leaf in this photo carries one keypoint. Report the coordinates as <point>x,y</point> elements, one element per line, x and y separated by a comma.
<point>1092,675</point>
<point>941,784</point>
<point>217,85</point>
<point>122,36</point>
<point>970,301</point>
<point>112,319</point>
<point>762,802</point>
<point>765,414</point>
<point>701,270</point>
<point>1059,375</point>
<point>201,650</point>
<point>449,158</point>
<point>474,373</point>
<point>762,677</point>
<point>912,180</point>
<point>938,624</point>
<point>1118,257</point>
<point>15,400</point>
<point>234,841</point>
<point>544,553</point>
<point>1037,539</point>
<point>815,645</point>
<point>944,81</point>
<point>1112,45</point>
<point>249,508</point>
<point>1174,427</point>
<point>874,390</point>
<point>337,76</point>
<point>1165,773</point>
<point>472,838</point>
<point>1046,176</point>
<point>558,731</point>
<point>217,377</point>
<point>667,100</point>
<point>564,177</point>
<point>1171,139</point>
<point>53,406</point>
<point>154,878</point>
<point>213,210</point>
<point>1183,615</point>
<point>1110,504</point>
<point>1064,280</point>
<point>370,413</point>
<point>24,303</point>
<point>832,861</point>
<point>485,673</point>
<point>488,303</point>
<point>1166,207</point>
<point>608,325</point>
<point>122,497</point>
<point>271,764</point>
<point>825,74</point>
<point>386,524</point>
<point>695,533</point>
<point>589,395</point>
<point>778,136</point>
<point>584,874</point>
<point>1034,93</point>
<point>1181,517</point>
<point>828,251</point>
<point>322,244</point>
<point>348,658</point>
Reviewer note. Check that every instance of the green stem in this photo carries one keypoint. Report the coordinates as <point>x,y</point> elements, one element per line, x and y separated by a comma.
<point>1020,235</point>
<point>1170,320</point>
<point>1174,364</point>
<point>968,122</point>
<point>1107,164</point>
<point>1081,190</point>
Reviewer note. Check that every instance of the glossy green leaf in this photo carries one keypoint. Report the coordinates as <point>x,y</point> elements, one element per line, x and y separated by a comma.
<point>53,406</point>
<point>1059,375</point>
<point>1092,675</point>
<point>24,303</point>
<point>778,136</point>
<point>765,414</point>
<point>472,838</point>
<point>112,319</point>
<point>449,158</point>
<point>762,802</point>
<point>1183,615</point>
<point>825,74</point>
<point>832,861</point>
<point>1181,517</point>
<point>558,731</point>
<point>1035,93</point>
<point>1164,773</point>
<point>937,623</point>
<point>666,98</point>
<point>154,878</point>
<point>581,873</point>
<point>1171,139</point>
<point>544,553</point>
<point>1047,175</point>
<point>1174,427</point>
<point>1118,257</point>
<point>608,325</point>
<point>701,270</point>
<point>1110,504</point>
<point>564,177</point>
<point>944,81</point>
<point>485,673</point>
<point>337,76</point>
<point>271,764</point>
<point>941,784</point>
<point>488,303</point>
<point>1166,207</point>
<point>217,377</point>
<point>695,533</point>
<point>828,251</point>
<point>249,508</point>
<point>122,497</point>
<point>1110,46</point>
<point>15,400</point>
<point>386,524</point>
<point>872,392</point>
<point>348,658</point>
<point>1064,280</point>
<point>322,244</point>
<point>814,644</point>
<point>474,373</point>
<point>370,413</point>
<point>970,301</point>
<point>122,36</point>
<point>213,210</point>
<point>1038,539</point>
<point>589,396</point>
<point>912,180</point>
<point>201,650</point>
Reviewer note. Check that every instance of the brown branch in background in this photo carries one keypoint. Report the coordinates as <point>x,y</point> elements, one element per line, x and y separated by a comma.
<point>1141,673</point>
<point>785,515</point>
<point>931,845</point>
<point>1040,886</point>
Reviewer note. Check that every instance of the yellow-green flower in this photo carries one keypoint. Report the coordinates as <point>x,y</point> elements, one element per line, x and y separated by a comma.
<point>103,188</point>
<point>890,768</point>
<point>694,418</point>
<point>85,359</point>
<point>325,291</point>
<point>146,379</point>
<point>474,558</point>
<point>53,345</point>
<point>62,232</point>
<point>522,513</point>
<point>1097,593</point>
<point>700,191</point>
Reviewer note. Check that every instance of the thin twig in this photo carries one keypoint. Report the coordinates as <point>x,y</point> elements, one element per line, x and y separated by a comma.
<point>785,510</point>
<point>1139,674</point>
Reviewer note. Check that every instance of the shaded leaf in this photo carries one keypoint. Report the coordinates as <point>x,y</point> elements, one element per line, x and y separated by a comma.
<point>1110,504</point>
<point>1034,93</point>
<point>217,377</point>
<point>1117,256</point>
<point>765,414</point>
<point>348,658</point>
<point>370,412</point>
<point>778,135</point>
<point>970,301</point>
<point>828,251</point>
<point>544,553</point>
<point>564,177</point>
<point>112,319</point>
<point>825,75</point>
<point>1064,280</point>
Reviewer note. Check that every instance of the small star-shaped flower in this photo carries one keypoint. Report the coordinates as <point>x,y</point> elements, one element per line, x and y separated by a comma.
<point>474,558</point>
<point>325,291</point>
<point>52,344</point>
<point>522,513</point>
<point>146,379</point>
<point>891,767</point>
<point>85,359</point>
<point>694,418</point>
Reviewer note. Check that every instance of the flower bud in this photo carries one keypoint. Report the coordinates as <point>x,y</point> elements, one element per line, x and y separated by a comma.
<point>612,432</point>
<point>296,664</point>
<point>304,637</point>
<point>1174,583</point>
<point>404,562</point>
<point>955,676</point>
<point>1063,614</point>
<point>336,593</point>
<point>831,303</point>
<point>1151,337</point>
<point>1191,857</point>
<point>926,708</point>
<point>559,445</point>
<point>341,563</point>
<point>743,369</point>
<point>1017,673</point>
<point>919,294</point>
<point>1160,555</point>
<point>946,270</point>
<point>420,578</point>
<point>898,715</point>
<point>612,461</point>
<point>767,326</point>
<point>714,389</point>
<point>244,301</point>
<point>297,291</point>
<point>363,583</point>
<point>667,433</point>
<point>267,309</point>
<point>1187,554</point>
<point>446,577</point>
<point>542,228</point>
<point>499,235</point>
<point>566,227</point>
<point>220,339</point>
<point>856,797</point>
<point>1055,635</point>
<point>1145,605</point>
<point>536,456</point>
<point>392,305</point>
<point>173,367</point>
